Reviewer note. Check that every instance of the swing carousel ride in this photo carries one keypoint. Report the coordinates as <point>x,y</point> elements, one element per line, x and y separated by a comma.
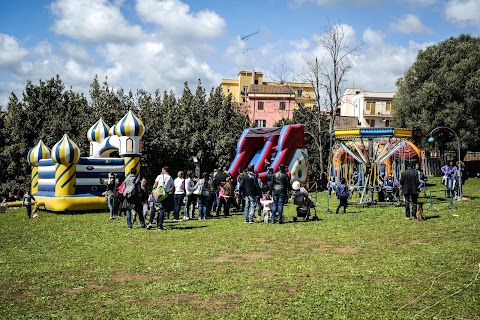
<point>365,157</point>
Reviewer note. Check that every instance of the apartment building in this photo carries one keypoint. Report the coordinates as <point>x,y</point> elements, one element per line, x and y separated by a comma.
<point>267,102</point>
<point>367,108</point>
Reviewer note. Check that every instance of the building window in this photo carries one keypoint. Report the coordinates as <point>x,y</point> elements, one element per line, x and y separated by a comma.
<point>129,146</point>
<point>370,107</point>
<point>388,106</point>
<point>387,123</point>
<point>282,105</point>
<point>371,123</point>
<point>256,81</point>
<point>299,93</point>
<point>260,105</point>
<point>245,89</point>
<point>261,123</point>
<point>228,89</point>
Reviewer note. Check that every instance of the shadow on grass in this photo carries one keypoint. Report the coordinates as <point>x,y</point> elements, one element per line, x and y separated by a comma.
<point>431,217</point>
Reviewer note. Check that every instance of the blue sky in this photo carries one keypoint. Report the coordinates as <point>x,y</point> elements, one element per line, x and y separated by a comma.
<point>160,44</point>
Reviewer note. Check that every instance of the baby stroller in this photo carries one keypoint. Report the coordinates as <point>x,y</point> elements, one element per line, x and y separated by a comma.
<point>303,202</point>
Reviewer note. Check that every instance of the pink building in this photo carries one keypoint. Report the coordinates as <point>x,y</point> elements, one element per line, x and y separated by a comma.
<point>268,104</point>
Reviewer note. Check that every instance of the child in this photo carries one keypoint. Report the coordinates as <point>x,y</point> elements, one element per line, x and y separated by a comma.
<point>342,195</point>
<point>27,202</point>
<point>267,204</point>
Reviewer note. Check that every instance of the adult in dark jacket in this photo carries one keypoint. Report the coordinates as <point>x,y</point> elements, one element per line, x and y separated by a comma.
<point>269,179</point>
<point>248,190</point>
<point>409,182</point>
<point>134,204</point>
<point>279,188</point>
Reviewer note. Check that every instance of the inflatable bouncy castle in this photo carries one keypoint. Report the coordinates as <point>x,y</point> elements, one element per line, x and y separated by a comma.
<point>64,181</point>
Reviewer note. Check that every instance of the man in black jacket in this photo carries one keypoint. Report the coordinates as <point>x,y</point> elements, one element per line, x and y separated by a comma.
<point>279,188</point>
<point>248,190</point>
<point>409,182</point>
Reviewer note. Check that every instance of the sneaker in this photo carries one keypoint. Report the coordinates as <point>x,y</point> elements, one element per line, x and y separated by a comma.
<point>177,220</point>
<point>149,226</point>
<point>185,218</point>
<point>160,229</point>
<point>251,221</point>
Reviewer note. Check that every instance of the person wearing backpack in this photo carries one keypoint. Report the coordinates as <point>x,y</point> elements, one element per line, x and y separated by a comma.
<point>132,198</point>
<point>342,195</point>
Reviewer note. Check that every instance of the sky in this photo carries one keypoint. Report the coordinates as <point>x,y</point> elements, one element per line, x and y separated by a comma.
<point>161,44</point>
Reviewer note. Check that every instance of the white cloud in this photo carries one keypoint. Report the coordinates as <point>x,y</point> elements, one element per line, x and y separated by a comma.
<point>11,52</point>
<point>372,37</point>
<point>175,17</point>
<point>301,44</point>
<point>93,21</point>
<point>409,23</point>
<point>76,52</point>
<point>42,49</point>
<point>463,12</point>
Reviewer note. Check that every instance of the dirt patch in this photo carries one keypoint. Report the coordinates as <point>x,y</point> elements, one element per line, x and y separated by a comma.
<point>20,295</point>
<point>330,249</point>
<point>123,276</point>
<point>97,287</point>
<point>74,290</point>
<point>346,250</point>
<point>246,257</point>
<point>417,241</point>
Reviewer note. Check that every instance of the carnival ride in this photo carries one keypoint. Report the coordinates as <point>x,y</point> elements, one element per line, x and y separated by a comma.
<point>366,156</point>
<point>64,181</point>
<point>285,145</point>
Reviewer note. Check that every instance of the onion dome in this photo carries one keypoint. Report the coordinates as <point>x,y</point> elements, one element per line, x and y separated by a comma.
<point>65,151</point>
<point>40,151</point>
<point>113,130</point>
<point>98,131</point>
<point>130,125</point>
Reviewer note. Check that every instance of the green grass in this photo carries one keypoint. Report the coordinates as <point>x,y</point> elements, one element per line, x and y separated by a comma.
<point>370,263</point>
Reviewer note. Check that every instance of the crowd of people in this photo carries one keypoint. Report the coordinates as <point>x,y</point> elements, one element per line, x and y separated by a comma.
<point>191,197</point>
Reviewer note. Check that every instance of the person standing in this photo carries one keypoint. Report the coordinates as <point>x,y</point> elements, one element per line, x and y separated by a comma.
<point>342,195</point>
<point>227,195</point>
<point>204,186</point>
<point>179,185</point>
<point>449,177</point>
<point>218,180</point>
<point>133,203</point>
<point>110,193</point>
<point>27,202</point>
<point>409,182</point>
<point>165,180</point>
<point>248,190</point>
<point>279,187</point>
<point>190,197</point>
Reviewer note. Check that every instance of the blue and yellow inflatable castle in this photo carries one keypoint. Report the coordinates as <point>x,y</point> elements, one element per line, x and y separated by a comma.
<point>64,181</point>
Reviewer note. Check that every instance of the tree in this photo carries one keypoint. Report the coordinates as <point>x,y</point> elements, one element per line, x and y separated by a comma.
<point>328,74</point>
<point>442,88</point>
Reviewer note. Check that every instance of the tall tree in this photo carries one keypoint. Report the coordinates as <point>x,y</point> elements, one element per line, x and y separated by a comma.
<point>330,72</point>
<point>442,88</point>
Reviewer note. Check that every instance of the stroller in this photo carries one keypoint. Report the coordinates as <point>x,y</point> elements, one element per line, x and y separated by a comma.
<point>303,202</point>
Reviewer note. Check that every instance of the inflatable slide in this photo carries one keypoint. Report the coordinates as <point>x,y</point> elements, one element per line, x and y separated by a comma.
<point>270,147</point>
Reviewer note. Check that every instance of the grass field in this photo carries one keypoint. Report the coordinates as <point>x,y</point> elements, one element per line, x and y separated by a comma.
<point>370,263</point>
